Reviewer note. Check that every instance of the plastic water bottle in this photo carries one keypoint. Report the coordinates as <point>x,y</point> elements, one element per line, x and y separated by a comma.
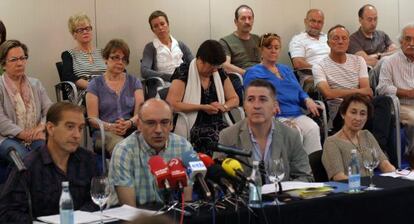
<point>255,190</point>
<point>66,205</point>
<point>354,176</point>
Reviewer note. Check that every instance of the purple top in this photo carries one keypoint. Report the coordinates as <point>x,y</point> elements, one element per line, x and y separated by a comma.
<point>111,106</point>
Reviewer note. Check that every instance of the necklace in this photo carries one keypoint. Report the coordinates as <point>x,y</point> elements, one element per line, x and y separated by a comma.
<point>358,147</point>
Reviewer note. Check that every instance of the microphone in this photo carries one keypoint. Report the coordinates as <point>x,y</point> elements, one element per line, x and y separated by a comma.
<point>15,157</point>
<point>216,173</point>
<point>234,169</point>
<point>196,170</point>
<point>216,147</point>
<point>160,171</point>
<point>178,175</point>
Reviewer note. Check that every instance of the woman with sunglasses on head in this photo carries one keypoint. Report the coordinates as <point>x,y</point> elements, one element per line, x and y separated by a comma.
<point>83,61</point>
<point>24,103</point>
<point>355,110</point>
<point>204,92</point>
<point>115,96</point>
<point>290,94</point>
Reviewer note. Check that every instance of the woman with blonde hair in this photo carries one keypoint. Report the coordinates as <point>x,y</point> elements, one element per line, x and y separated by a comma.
<point>83,61</point>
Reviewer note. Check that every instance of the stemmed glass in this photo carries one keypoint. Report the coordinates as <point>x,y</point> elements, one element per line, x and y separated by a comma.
<point>276,172</point>
<point>100,191</point>
<point>371,161</point>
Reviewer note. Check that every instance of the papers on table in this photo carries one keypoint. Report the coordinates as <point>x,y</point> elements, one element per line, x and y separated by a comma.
<point>290,185</point>
<point>124,212</point>
<point>406,174</point>
<point>79,217</point>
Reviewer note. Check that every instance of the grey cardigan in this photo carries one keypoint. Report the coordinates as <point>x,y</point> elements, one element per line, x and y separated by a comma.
<point>8,120</point>
<point>285,142</point>
<point>149,61</point>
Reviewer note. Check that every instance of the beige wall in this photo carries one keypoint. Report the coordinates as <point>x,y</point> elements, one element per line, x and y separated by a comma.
<point>42,24</point>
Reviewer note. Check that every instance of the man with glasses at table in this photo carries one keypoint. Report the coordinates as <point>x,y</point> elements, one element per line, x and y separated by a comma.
<point>129,171</point>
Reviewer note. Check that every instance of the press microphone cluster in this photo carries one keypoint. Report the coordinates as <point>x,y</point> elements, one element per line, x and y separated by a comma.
<point>196,171</point>
<point>216,174</point>
<point>216,147</point>
<point>234,169</point>
<point>160,171</point>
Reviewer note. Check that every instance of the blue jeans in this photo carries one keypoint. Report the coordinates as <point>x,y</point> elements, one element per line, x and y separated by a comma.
<point>19,146</point>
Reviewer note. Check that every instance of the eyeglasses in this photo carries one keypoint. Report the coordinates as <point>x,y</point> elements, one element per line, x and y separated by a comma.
<point>118,58</point>
<point>267,35</point>
<point>165,123</point>
<point>15,59</point>
<point>83,29</point>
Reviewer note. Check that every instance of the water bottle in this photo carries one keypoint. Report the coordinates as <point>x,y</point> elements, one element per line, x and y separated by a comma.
<point>66,205</point>
<point>255,189</point>
<point>354,176</point>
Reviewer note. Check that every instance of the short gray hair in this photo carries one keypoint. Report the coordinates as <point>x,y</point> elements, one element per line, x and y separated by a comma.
<point>407,26</point>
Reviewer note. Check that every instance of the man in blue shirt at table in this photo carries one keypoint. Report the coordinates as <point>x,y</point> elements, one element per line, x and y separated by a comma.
<point>60,160</point>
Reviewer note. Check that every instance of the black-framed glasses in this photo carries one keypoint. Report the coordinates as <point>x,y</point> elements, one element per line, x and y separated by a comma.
<point>164,123</point>
<point>118,58</point>
<point>83,29</point>
<point>267,35</point>
<point>15,59</point>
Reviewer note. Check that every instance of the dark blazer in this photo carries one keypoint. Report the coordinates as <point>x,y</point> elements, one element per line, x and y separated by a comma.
<point>285,142</point>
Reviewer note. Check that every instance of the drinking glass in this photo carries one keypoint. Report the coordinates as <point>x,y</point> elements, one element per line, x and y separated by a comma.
<point>100,191</point>
<point>371,161</point>
<point>276,172</point>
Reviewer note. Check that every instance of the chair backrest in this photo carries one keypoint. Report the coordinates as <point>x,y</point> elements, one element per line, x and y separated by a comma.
<point>318,170</point>
<point>59,67</point>
<point>237,81</point>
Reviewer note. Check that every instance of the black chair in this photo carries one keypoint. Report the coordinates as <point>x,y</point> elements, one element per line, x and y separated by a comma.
<point>151,86</point>
<point>318,170</point>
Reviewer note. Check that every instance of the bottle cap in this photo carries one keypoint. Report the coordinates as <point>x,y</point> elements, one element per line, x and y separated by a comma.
<point>255,163</point>
<point>353,151</point>
<point>65,184</point>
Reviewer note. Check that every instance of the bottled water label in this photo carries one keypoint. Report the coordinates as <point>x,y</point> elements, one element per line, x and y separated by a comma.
<point>66,216</point>
<point>255,199</point>
<point>354,182</point>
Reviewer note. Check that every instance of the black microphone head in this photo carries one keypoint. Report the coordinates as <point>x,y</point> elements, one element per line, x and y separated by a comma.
<point>216,173</point>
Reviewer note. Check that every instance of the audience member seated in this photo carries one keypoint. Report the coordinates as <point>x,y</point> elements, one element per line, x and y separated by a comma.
<point>368,42</point>
<point>241,45</point>
<point>309,47</point>
<point>115,96</point>
<point>83,61</point>
<point>340,74</point>
<point>128,169</point>
<point>164,54</point>
<point>2,39</point>
<point>61,159</point>
<point>397,78</point>
<point>204,93</point>
<point>355,110</point>
<point>24,103</point>
<point>290,94</point>
<point>264,136</point>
